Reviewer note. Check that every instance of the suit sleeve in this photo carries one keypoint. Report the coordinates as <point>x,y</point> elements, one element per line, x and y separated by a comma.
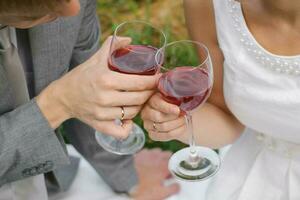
<point>28,145</point>
<point>117,171</point>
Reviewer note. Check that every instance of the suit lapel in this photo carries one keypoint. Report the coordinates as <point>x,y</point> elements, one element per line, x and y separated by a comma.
<point>45,51</point>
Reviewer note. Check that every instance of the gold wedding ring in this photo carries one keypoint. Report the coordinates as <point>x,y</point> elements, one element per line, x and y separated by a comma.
<point>123,113</point>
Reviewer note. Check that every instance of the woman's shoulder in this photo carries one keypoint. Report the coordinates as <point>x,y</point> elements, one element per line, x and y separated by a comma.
<point>200,19</point>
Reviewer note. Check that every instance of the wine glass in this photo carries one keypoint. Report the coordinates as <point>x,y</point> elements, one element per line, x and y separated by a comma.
<point>136,58</point>
<point>187,81</point>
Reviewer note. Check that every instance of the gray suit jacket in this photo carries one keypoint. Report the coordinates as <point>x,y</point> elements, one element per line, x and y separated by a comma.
<point>28,146</point>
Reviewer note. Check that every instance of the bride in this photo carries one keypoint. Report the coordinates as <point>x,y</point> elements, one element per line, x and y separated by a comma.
<point>255,102</point>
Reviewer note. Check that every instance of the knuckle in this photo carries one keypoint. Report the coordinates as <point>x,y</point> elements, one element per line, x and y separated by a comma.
<point>99,115</point>
<point>141,99</point>
<point>157,116</point>
<point>152,135</point>
<point>103,99</point>
<point>105,80</point>
<point>131,114</point>
<point>164,126</point>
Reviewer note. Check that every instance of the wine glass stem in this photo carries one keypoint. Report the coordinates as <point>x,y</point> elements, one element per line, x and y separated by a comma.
<point>193,151</point>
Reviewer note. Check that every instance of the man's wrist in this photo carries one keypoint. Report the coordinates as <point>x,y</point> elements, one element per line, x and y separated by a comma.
<point>51,107</point>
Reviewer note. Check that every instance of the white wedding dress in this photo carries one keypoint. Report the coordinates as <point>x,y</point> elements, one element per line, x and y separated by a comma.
<point>263,91</point>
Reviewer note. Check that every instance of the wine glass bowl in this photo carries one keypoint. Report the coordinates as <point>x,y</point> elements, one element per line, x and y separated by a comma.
<point>139,56</point>
<point>187,83</point>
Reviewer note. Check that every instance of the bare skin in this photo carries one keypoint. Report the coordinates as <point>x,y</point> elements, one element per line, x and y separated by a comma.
<point>276,26</point>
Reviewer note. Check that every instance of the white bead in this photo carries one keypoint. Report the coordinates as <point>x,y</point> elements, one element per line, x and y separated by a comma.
<point>279,65</point>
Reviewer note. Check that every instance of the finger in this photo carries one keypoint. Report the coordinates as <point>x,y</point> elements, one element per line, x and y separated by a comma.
<point>111,113</point>
<point>112,129</point>
<point>168,191</point>
<point>166,126</point>
<point>106,47</point>
<point>159,136</point>
<point>125,98</point>
<point>167,155</point>
<point>149,113</point>
<point>177,133</point>
<point>167,136</point>
<point>156,151</point>
<point>158,103</point>
<point>130,82</point>
<point>119,42</point>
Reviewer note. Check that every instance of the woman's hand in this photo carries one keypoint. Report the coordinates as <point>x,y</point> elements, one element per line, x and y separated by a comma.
<point>163,120</point>
<point>94,94</point>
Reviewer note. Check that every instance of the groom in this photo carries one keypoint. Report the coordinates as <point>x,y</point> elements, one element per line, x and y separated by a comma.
<point>34,64</point>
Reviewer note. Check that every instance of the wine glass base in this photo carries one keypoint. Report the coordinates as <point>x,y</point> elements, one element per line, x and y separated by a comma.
<point>207,165</point>
<point>132,144</point>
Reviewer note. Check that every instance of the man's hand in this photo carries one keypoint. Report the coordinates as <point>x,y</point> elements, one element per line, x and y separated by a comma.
<point>94,94</point>
<point>152,170</point>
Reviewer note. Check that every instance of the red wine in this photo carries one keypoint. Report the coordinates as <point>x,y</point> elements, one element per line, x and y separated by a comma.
<point>186,87</point>
<point>134,59</point>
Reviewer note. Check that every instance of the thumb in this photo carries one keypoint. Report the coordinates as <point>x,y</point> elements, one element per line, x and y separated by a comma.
<point>112,43</point>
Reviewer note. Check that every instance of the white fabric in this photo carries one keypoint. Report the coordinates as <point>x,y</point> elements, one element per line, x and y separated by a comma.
<point>258,166</point>
<point>89,185</point>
